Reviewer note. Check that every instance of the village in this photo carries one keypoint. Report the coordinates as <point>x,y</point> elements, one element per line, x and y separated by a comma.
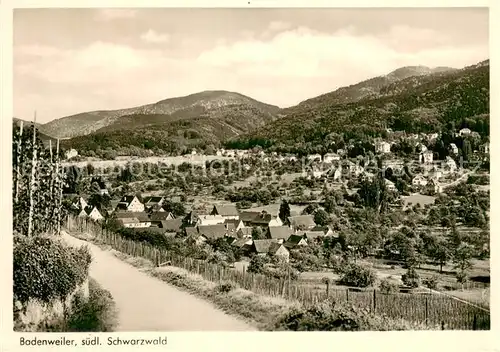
<point>258,227</point>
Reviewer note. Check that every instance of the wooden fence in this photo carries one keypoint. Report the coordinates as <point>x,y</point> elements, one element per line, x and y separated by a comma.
<point>432,309</point>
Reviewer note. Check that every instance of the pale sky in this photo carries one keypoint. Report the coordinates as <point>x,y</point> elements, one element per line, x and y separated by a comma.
<point>68,61</point>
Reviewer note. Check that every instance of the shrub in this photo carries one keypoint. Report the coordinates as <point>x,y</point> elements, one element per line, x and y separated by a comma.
<point>411,278</point>
<point>388,286</point>
<point>431,282</point>
<point>358,276</point>
<point>96,314</point>
<point>47,269</point>
<point>225,287</point>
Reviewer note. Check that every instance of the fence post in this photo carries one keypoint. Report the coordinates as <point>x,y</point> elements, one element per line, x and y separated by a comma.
<point>374,300</point>
<point>347,294</point>
<point>426,310</point>
<point>474,322</point>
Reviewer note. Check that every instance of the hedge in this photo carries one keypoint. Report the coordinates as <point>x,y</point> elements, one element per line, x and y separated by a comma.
<point>47,269</point>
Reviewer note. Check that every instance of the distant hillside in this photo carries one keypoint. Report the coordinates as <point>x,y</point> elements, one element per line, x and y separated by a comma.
<point>40,132</point>
<point>426,100</point>
<point>370,88</point>
<point>170,125</point>
<point>235,110</point>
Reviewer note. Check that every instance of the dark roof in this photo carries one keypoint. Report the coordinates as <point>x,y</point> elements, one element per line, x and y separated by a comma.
<point>155,208</point>
<point>302,220</point>
<point>121,206</point>
<point>226,210</point>
<point>161,215</point>
<point>142,216</point>
<point>294,240</point>
<point>262,246</point>
<point>212,231</point>
<point>312,234</point>
<point>88,209</point>
<point>152,200</point>
<point>280,232</point>
<point>174,225</point>
<point>259,218</point>
<point>324,229</point>
<point>249,215</point>
<point>127,199</point>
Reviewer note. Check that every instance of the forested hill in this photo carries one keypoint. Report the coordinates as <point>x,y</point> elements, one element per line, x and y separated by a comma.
<point>235,110</point>
<point>419,103</point>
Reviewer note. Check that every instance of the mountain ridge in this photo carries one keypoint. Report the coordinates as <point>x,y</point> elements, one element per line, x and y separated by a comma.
<point>197,103</point>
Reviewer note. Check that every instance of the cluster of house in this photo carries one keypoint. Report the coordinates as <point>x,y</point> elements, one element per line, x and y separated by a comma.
<point>224,221</point>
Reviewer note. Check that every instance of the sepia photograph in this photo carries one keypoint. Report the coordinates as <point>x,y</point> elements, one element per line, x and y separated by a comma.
<point>250,169</point>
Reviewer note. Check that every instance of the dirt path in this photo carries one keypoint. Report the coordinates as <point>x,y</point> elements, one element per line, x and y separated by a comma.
<point>148,304</point>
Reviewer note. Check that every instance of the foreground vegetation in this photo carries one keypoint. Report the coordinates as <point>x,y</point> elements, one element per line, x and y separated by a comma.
<point>51,289</point>
<point>428,309</point>
<point>266,312</point>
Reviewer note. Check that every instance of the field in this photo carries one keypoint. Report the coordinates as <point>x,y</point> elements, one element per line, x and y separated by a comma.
<point>169,160</point>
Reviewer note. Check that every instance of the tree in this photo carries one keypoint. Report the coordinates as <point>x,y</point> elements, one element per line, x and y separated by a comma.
<point>321,217</point>
<point>358,276</point>
<point>257,233</point>
<point>441,254</point>
<point>462,257</point>
<point>330,204</point>
<point>284,212</point>
<point>73,180</point>
<point>411,278</point>
<point>257,264</point>
<point>310,209</point>
<point>466,150</point>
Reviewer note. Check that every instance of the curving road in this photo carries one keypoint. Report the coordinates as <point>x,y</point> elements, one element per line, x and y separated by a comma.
<point>147,304</point>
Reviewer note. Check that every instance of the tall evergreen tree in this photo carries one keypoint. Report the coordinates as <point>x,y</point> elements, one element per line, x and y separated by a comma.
<point>284,213</point>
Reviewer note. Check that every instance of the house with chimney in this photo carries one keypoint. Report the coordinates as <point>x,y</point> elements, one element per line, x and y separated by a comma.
<point>295,241</point>
<point>130,203</point>
<point>260,219</point>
